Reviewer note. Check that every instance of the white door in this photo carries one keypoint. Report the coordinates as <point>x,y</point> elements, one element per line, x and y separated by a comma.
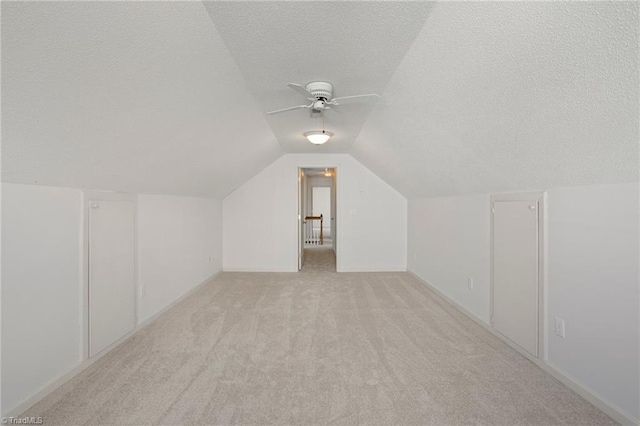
<point>321,202</point>
<point>111,272</point>
<point>515,272</point>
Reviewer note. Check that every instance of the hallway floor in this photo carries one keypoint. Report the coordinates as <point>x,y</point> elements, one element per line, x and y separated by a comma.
<point>319,259</point>
<point>306,349</point>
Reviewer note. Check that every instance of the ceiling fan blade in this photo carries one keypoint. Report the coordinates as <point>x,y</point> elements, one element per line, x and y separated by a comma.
<point>288,109</point>
<point>334,115</point>
<point>335,108</point>
<point>304,92</point>
<point>372,98</point>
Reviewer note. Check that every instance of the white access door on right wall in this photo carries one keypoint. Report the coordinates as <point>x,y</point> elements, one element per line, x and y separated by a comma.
<point>515,267</point>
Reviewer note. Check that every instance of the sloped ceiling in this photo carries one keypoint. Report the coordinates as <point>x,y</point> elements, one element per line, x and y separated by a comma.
<point>170,97</point>
<point>126,96</point>
<point>356,46</point>
<point>511,96</point>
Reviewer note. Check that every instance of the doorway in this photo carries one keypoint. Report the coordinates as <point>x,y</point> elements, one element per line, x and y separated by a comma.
<point>517,270</point>
<point>317,219</point>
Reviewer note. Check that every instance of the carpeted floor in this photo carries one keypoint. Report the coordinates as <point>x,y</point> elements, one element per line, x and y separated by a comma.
<point>319,259</point>
<point>267,348</point>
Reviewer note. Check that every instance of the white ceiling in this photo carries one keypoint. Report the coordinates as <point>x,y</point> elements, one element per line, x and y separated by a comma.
<point>126,96</point>
<point>508,96</point>
<point>170,97</point>
<point>354,45</point>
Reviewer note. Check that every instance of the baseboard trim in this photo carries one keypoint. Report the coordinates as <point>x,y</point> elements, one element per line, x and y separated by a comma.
<point>155,316</point>
<point>596,400</point>
<point>375,269</point>
<point>48,388</point>
<point>455,304</point>
<point>275,270</point>
<point>81,366</point>
<point>612,410</point>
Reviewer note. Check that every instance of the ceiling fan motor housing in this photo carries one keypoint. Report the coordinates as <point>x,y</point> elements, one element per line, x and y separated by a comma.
<point>320,90</point>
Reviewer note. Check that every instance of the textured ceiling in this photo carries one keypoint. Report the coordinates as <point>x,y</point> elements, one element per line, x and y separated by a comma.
<point>511,96</point>
<point>354,45</point>
<point>126,96</point>
<point>170,97</point>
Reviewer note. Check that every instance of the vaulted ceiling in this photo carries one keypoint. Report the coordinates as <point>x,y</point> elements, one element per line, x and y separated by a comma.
<point>508,96</point>
<point>356,46</point>
<point>171,97</point>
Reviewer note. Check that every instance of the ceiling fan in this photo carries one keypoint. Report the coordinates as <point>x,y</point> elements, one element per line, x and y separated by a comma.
<point>319,94</point>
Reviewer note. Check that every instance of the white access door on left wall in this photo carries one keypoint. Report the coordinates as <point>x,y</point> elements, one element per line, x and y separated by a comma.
<point>111,272</point>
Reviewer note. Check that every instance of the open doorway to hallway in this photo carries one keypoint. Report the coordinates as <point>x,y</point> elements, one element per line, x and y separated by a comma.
<point>317,219</point>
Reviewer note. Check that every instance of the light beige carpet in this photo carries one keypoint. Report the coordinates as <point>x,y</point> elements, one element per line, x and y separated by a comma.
<point>308,349</point>
<point>319,259</point>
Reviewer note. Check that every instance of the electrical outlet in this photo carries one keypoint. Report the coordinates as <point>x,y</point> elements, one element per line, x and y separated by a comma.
<point>470,283</point>
<point>559,327</point>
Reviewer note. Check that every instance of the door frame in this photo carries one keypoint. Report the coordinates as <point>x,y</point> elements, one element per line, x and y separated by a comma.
<point>87,198</point>
<point>300,207</point>
<point>298,169</point>
<point>541,199</point>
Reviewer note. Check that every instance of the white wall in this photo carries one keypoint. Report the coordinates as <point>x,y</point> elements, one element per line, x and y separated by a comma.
<point>593,277</point>
<point>449,243</point>
<point>260,218</point>
<point>593,286</point>
<point>1,301</point>
<point>179,247</point>
<point>41,287</point>
<point>42,256</point>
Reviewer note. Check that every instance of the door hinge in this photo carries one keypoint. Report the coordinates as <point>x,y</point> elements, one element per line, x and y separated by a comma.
<point>493,209</point>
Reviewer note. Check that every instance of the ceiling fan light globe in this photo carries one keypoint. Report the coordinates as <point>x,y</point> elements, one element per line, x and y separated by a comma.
<point>318,137</point>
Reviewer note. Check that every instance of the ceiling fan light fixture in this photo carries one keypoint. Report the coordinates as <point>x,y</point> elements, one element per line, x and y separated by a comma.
<point>318,137</point>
